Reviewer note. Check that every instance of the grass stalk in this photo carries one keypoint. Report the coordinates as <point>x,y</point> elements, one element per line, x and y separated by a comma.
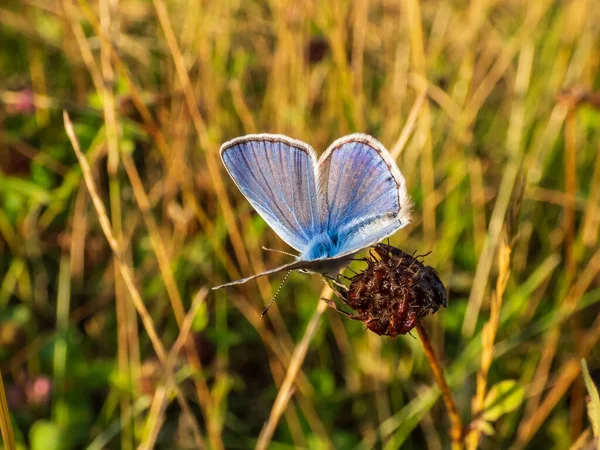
<point>107,10</point>
<point>201,130</point>
<point>488,337</point>
<point>534,416</point>
<point>164,264</point>
<point>285,391</point>
<point>159,401</point>
<point>63,302</point>
<point>578,392</point>
<point>465,96</point>
<point>427,172</point>
<point>8,437</point>
<point>126,272</point>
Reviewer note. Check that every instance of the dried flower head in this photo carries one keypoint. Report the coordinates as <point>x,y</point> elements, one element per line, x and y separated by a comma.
<point>393,293</point>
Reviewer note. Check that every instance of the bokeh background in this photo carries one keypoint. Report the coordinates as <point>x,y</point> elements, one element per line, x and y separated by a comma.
<point>489,107</point>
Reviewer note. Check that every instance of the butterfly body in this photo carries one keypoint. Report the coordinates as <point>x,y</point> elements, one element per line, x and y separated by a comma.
<point>326,266</point>
<point>323,245</point>
<point>327,209</point>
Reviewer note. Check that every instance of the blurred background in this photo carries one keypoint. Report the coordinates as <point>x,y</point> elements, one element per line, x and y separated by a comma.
<point>489,107</point>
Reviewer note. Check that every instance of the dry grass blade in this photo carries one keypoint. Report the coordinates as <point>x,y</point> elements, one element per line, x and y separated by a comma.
<point>582,441</point>
<point>200,126</point>
<point>466,95</point>
<point>284,394</point>
<point>5,425</point>
<point>594,402</point>
<point>567,374</point>
<point>488,336</point>
<point>173,292</point>
<point>490,245</point>
<point>125,271</point>
<point>159,402</point>
<point>107,229</point>
<point>533,412</point>
<point>128,344</point>
<point>408,128</point>
<point>427,172</point>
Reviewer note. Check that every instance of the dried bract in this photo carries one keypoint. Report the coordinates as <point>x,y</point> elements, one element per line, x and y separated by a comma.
<point>393,293</point>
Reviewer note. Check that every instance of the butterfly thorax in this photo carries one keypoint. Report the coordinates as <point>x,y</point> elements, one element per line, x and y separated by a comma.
<point>323,245</point>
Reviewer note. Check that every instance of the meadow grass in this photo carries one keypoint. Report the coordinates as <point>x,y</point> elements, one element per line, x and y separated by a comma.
<point>116,216</point>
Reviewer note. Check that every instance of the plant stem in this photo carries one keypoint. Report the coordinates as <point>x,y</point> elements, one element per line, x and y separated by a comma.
<point>456,431</point>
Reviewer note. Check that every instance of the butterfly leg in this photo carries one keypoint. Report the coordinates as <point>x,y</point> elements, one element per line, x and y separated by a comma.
<point>332,305</point>
<point>340,285</point>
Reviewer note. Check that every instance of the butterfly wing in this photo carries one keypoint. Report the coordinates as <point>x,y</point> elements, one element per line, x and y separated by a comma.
<point>363,194</point>
<point>277,176</point>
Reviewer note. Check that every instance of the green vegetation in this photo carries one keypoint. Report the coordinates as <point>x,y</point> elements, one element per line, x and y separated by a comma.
<point>489,107</point>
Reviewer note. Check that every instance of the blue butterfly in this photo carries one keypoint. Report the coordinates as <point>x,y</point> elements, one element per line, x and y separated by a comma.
<point>327,209</point>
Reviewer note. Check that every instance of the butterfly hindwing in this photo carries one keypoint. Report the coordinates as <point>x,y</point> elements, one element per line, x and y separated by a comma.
<point>277,176</point>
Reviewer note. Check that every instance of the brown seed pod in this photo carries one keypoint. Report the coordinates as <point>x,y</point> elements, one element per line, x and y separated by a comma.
<point>393,293</point>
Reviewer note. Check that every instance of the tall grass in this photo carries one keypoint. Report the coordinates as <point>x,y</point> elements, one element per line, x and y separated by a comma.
<point>490,109</point>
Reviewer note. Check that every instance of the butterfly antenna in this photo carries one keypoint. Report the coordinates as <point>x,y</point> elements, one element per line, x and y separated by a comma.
<point>276,293</point>
<point>278,251</point>
<point>424,255</point>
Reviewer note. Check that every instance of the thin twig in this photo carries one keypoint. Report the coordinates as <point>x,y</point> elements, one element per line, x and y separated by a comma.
<point>456,432</point>
<point>279,366</point>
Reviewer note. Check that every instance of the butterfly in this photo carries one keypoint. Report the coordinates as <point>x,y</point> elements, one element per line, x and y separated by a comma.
<point>327,209</point>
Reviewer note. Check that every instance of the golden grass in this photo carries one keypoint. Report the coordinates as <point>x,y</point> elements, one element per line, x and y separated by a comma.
<point>8,437</point>
<point>467,96</point>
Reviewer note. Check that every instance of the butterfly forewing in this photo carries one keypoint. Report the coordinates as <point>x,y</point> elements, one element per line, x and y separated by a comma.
<point>277,176</point>
<point>364,196</point>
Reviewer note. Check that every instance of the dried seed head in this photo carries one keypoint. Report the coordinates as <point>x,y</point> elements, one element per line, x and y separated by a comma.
<point>394,292</point>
